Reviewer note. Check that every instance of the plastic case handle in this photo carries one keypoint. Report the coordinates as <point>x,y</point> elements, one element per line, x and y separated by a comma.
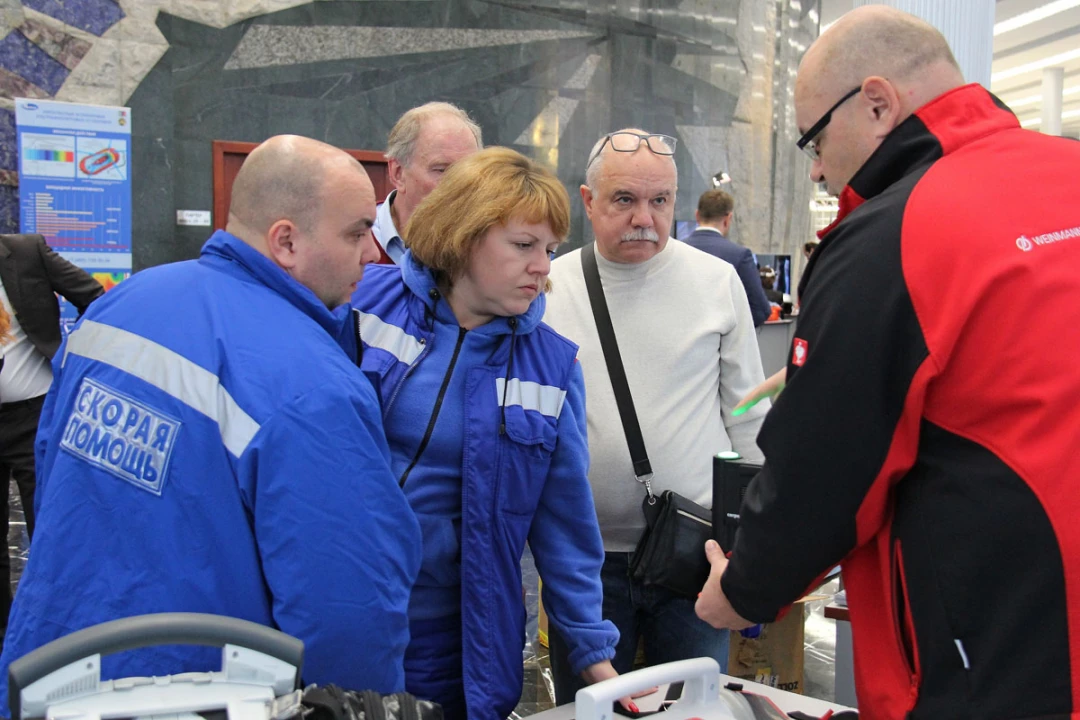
<point>146,631</point>
<point>701,678</point>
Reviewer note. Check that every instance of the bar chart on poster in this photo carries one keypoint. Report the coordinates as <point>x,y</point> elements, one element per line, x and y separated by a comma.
<point>83,223</point>
<point>75,185</point>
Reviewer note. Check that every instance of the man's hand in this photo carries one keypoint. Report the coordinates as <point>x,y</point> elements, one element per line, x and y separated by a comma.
<point>768,389</point>
<point>712,605</point>
<point>604,671</point>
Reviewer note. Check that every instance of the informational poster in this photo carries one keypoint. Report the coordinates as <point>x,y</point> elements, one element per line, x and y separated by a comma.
<point>75,185</point>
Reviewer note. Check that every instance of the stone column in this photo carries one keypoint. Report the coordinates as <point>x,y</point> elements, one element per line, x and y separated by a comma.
<point>968,25</point>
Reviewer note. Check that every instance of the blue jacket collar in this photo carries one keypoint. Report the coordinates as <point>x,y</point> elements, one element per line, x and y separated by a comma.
<point>420,281</point>
<point>226,251</point>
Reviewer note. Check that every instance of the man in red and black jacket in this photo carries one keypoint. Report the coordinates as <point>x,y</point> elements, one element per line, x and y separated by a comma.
<point>929,435</point>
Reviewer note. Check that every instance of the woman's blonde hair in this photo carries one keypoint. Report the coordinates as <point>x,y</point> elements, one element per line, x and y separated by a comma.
<point>5,325</point>
<point>479,192</point>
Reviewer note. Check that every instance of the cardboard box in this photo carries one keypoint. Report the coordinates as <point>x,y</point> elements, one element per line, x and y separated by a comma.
<point>542,621</point>
<point>775,657</point>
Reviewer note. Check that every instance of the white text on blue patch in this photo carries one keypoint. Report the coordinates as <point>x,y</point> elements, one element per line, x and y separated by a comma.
<point>121,435</point>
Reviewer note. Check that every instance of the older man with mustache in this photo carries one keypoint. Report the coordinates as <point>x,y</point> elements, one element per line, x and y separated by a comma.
<point>687,342</point>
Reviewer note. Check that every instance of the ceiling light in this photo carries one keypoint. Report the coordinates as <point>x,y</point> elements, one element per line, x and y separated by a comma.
<point>1052,61</point>
<point>1033,16</point>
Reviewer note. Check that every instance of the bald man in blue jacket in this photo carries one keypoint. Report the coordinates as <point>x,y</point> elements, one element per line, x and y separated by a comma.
<point>210,444</point>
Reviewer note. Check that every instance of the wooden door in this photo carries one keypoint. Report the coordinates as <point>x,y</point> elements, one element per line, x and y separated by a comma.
<point>229,156</point>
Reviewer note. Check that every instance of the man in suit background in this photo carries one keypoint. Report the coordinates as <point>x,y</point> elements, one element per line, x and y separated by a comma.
<point>715,208</point>
<point>30,276</point>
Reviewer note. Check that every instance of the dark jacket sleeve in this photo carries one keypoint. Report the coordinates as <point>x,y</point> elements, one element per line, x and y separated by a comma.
<point>755,292</point>
<point>74,283</point>
<point>844,429</point>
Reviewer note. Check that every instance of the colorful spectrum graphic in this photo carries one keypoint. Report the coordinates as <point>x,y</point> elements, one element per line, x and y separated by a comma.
<point>109,280</point>
<point>47,156</point>
<point>50,155</point>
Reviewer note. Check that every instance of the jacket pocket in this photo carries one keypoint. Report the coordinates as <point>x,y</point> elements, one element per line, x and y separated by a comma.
<point>903,625</point>
<point>526,451</point>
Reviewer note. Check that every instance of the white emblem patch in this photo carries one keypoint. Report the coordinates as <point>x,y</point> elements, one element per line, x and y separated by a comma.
<point>121,435</point>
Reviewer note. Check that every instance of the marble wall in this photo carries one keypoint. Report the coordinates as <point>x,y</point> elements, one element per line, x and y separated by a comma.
<point>546,77</point>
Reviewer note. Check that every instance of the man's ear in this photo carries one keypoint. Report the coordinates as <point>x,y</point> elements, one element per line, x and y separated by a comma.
<point>281,241</point>
<point>883,104</point>
<point>397,173</point>
<point>587,200</point>
<point>697,217</point>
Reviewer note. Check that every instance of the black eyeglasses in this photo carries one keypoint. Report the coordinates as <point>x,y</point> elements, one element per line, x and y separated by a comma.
<point>631,141</point>
<point>806,142</point>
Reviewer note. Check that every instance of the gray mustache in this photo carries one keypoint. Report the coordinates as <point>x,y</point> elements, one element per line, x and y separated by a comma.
<point>641,234</point>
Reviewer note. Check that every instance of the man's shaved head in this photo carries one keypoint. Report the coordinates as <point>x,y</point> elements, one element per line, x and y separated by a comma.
<point>875,40</point>
<point>284,178</point>
<point>309,208</point>
<point>895,61</point>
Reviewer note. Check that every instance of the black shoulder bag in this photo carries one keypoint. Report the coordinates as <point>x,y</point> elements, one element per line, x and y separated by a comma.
<point>671,552</point>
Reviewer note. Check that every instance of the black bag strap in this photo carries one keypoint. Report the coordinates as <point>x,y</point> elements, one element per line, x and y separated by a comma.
<point>610,346</point>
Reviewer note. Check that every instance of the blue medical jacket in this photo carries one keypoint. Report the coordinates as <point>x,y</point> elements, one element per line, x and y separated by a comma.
<point>210,445</point>
<point>524,477</point>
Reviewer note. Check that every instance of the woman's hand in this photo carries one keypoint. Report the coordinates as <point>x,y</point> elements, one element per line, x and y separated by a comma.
<point>604,671</point>
<point>768,389</point>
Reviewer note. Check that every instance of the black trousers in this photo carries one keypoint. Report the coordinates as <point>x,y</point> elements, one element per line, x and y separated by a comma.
<point>18,428</point>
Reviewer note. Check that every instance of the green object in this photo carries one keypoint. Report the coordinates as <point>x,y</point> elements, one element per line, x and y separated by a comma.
<point>729,455</point>
<point>739,411</point>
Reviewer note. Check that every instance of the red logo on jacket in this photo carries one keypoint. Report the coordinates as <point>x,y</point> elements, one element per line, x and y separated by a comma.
<point>798,352</point>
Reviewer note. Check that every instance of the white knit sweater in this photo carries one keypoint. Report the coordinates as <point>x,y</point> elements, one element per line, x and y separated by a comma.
<point>690,351</point>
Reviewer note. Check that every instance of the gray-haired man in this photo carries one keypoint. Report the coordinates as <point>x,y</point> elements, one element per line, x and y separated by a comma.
<point>423,143</point>
<point>690,353</point>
